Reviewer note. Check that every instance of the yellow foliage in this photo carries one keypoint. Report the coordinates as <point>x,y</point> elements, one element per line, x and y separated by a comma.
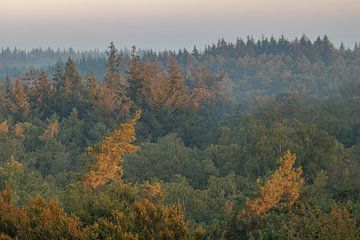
<point>282,189</point>
<point>20,99</point>
<point>19,129</point>
<point>108,155</point>
<point>152,191</point>
<point>144,220</point>
<point>51,131</point>
<point>338,225</point>
<point>4,128</point>
<point>158,222</point>
<point>199,233</point>
<point>14,165</point>
<point>37,220</point>
<point>177,95</point>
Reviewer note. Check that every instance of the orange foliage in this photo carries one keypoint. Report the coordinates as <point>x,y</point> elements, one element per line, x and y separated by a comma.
<point>42,89</point>
<point>167,221</point>
<point>143,220</point>
<point>19,129</point>
<point>152,191</point>
<point>37,220</point>
<point>51,131</point>
<point>282,189</point>
<point>200,95</point>
<point>4,128</point>
<point>108,155</point>
<point>20,99</point>
<point>107,98</point>
<point>177,95</point>
<point>338,225</point>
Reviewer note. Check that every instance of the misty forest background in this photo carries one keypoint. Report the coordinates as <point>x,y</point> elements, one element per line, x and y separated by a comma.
<point>257,139</point>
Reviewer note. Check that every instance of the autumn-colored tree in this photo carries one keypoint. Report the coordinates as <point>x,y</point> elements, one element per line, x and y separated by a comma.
<point>42,89</point>
<point>12,219</point>
<point>144,220</point>
<point>20,128</point>
<point>199,95</point>
<point>177,95</point>
<point>282,189</point>
<point>108,99</point>
<point>4,128</point>
<point>20,102</point>
<point>107,156</point>
<point>155,82</point>
<point>209,87</point>
<point>51,131</point>
<point>36,220</point>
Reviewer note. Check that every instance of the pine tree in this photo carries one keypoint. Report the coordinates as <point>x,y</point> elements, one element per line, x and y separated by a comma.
<point>113,77</point>
<point>42,89</point>
<point>73,82</point>
<point>58,77</point>
<point>8,85</point>
<point>136,84</point>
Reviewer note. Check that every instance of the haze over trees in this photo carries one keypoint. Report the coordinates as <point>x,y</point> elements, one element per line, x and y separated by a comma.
<point>257,139</point>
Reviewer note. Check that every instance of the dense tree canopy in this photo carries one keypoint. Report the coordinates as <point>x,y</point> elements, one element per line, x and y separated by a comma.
<point>211,157</point>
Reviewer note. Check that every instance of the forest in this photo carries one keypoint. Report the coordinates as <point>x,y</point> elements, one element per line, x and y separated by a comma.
<point>257,139</point>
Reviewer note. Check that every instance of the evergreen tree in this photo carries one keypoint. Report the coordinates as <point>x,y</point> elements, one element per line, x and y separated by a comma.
<point>136,88</point>
<point>113,78</point>
<point>20,103</point>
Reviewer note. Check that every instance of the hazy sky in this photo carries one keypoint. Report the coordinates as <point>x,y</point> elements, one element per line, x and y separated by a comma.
<point>174,24</point>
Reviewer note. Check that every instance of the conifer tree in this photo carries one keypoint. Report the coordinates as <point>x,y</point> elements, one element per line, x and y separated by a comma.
<point>41,95</point>
<point>58,76</point>
<point>20,103</point>
<point>51,131</point>
<point>177,94</point>
<point>136,83</point>
<point>73,83</point>
<point>282,188</point>
<point>108,155</point>
<point>113,77</point>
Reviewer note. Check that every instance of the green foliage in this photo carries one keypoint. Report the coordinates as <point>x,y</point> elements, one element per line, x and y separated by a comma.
<point>167,158</point>
<point>309,222</point>
<point>214,125</point>
<point>25,184</point>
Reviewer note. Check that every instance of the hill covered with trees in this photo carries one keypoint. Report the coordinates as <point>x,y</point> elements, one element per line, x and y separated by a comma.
<point>246,140</point>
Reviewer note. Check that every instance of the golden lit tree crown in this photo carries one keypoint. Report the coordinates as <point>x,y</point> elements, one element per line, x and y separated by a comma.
<point>4,128</point>
<point>51,131</point>
<point>282,188</point>
<point>109,154</point>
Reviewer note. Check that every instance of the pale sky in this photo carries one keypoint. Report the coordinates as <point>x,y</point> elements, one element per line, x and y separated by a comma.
<point>171,24</point>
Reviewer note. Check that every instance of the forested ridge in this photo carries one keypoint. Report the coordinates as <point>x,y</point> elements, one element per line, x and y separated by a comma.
<point>245,140</point>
